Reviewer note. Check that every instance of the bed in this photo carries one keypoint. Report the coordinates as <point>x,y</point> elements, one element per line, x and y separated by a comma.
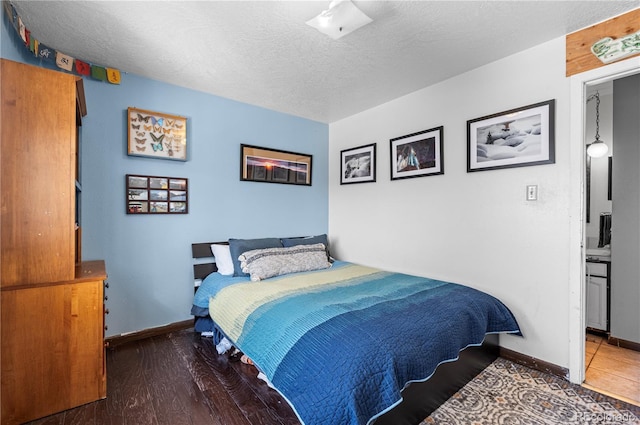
<point>346,343</point>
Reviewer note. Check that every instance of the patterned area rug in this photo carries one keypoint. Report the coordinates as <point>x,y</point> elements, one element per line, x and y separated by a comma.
<point>508,393</point>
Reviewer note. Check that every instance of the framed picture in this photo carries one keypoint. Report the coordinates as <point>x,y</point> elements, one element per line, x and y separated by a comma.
<point>156,195</point>
<point>516,138</point>
<point>358,165</point>
<point>274,166</point>
<point>156,135</point>
<point>417,154</point>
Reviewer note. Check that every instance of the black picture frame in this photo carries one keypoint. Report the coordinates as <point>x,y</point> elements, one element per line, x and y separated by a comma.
<point>156,194</point>
<point>519,137</point>
<point>417,154</point>
<point>266,165</point>
<point>358,165</point>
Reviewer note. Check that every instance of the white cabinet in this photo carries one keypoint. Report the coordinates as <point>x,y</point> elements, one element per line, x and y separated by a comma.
<point>597,282</point>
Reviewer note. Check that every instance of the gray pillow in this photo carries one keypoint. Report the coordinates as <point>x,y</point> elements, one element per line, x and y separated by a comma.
<point>265,263</point>
<point>308,240</point>
<point>238,246</point>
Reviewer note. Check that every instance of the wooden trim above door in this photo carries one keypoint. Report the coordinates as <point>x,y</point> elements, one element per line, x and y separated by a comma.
<point>578,44</point>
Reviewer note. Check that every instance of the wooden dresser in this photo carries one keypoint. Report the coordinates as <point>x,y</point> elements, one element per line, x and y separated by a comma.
<point>52,354</point>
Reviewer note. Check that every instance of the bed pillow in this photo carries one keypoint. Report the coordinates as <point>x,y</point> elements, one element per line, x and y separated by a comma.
<point>223,259</point>
<point>308,240</point>
<point>265,263</point>
<point>239,246</point>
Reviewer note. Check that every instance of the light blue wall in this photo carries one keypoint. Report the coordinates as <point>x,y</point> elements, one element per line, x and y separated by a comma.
<point>148,257</point>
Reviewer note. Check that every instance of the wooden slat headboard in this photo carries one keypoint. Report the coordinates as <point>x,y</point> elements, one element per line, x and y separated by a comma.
<point>204,262</point>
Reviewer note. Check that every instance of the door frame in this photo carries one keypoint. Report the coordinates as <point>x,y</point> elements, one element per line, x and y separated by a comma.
<point>577,257</point>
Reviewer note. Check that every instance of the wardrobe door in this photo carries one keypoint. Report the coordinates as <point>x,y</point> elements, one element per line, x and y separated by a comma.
<point>37,169</point>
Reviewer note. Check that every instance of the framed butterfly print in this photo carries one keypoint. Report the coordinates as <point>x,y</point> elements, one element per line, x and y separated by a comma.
<point>156,135</point>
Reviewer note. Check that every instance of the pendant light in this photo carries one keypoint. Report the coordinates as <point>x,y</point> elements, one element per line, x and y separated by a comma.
<point>597,148</point>
<point>342,18</point>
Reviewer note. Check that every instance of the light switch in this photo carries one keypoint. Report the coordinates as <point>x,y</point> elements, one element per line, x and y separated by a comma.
<point>532,192</point>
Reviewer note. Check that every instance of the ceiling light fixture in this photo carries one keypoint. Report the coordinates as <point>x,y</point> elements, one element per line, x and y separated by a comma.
<point>342,18</point>
<point>597,148</point>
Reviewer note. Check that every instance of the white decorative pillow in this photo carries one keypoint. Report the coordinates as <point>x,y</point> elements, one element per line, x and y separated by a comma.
<point>223,259</point>
<point>265,263</point>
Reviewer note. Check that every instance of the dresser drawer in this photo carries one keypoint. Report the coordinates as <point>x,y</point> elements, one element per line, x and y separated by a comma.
<point>597,269</point>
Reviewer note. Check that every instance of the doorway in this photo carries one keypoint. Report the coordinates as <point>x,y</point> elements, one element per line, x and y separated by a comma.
<point>577,323</point>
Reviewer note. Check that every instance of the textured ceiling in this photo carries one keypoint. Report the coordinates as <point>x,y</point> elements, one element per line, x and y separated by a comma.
<point>263,53</point>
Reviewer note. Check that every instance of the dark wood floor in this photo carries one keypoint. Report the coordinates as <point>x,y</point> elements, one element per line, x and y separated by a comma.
<point>178,379</point>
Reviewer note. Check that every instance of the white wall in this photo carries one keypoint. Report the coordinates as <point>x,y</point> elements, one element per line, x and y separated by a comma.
<point>471,228</point>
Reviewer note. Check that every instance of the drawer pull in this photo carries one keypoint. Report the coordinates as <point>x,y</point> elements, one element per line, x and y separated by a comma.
<point>106,311</point>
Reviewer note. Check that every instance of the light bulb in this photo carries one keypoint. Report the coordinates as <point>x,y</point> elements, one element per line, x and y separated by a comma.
<point>597,149</point>
<point>324,19</point>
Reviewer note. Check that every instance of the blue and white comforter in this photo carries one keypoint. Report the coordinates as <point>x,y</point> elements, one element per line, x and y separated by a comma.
<point>340,344</point>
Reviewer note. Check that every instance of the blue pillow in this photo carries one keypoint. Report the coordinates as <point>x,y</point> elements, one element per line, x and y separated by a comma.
<point>309,240</point>
<point>239,246</point>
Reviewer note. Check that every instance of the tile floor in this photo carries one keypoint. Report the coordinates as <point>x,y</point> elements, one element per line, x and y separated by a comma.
<point>612,370</point>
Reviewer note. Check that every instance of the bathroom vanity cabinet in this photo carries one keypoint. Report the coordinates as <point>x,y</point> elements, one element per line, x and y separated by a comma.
<point>598,283</point>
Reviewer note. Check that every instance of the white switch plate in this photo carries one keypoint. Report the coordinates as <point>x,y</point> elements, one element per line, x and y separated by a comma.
<point>532,192</point>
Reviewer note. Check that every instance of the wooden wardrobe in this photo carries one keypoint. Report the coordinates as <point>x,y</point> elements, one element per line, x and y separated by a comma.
<point>52,354</point>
